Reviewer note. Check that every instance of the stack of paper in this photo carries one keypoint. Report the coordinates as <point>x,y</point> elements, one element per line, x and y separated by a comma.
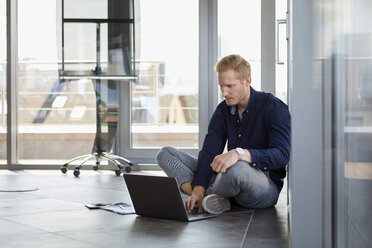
<point>118,208</point>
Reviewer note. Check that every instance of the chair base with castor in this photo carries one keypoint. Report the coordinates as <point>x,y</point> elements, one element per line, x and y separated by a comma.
<point>99,156</point>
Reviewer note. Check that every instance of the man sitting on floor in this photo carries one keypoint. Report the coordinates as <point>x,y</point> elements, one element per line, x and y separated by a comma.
<point>256,126</point>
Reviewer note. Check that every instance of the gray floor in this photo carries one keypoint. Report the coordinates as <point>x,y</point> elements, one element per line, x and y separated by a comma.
<point>54,215</point>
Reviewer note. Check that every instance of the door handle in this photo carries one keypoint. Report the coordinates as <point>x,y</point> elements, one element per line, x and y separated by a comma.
<point>278,23</point>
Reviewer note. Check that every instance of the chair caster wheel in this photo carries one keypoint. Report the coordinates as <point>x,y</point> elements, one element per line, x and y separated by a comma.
<point>95,167</point>
<point>118,172</point>
<point>64,170</point>
<point>76,173</point>
<point>128,169</point>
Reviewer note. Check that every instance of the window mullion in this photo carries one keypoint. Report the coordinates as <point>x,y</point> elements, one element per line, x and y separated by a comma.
<point>12,75</point>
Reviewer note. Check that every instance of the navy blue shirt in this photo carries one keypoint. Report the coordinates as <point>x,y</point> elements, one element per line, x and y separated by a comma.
<point>264,130</point>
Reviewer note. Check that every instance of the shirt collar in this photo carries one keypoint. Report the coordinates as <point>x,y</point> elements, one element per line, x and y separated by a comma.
<point>233,110</point>
<point>250,103</point>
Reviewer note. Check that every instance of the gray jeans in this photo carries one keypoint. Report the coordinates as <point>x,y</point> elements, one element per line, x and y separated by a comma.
<point>250,187</point>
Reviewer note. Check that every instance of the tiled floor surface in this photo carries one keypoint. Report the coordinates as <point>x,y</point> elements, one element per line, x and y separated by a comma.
<point>54,215</point>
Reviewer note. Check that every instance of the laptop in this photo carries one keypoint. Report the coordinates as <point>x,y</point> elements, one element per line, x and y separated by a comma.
<point>159,197</point>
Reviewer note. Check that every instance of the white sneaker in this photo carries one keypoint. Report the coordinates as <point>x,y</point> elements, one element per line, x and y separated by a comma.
<point>214,204</point>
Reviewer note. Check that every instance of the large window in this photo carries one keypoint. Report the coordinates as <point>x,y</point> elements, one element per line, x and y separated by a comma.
<point>3,105</point>
<point>56,118</point>
<point>72,54</point>
<point>164,100</point>
<point>239,32</point>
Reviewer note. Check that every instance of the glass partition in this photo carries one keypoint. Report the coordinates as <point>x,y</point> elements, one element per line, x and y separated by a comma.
<point>356,61</point>
<point>347,49</point>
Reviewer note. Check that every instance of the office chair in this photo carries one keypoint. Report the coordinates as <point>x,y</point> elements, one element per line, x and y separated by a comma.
<point>105,116</point>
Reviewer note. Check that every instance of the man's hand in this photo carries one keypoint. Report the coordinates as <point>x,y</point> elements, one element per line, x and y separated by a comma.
<point>224,161</point>
<point>196,197</point>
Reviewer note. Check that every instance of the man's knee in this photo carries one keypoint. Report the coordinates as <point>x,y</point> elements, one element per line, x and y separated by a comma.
<point>239,169</point>
<point>238,173</point>
<point>164,153</point>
